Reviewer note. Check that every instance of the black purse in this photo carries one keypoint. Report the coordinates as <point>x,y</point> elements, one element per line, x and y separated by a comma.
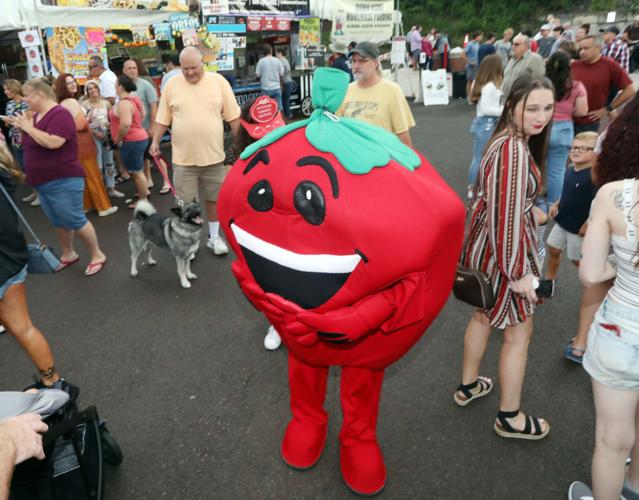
<point>42,259</point>
<point>474,288</point>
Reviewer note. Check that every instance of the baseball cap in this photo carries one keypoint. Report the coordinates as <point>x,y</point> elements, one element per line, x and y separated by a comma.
<point>264,116</point>
<point>610,29</point>
<point>546,27</point>
<point>365,49</point>
<point>338,47</point>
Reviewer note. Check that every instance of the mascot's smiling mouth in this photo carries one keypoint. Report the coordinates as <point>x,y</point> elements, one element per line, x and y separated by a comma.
<point>308,280</point>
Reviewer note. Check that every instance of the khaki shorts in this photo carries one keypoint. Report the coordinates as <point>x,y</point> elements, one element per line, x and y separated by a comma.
<point>563,240</point>
<point>189,179</point>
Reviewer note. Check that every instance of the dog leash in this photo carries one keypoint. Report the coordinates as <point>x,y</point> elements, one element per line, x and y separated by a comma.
<point>164,172</point>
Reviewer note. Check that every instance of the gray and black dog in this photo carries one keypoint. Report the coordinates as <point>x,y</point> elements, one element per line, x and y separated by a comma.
<point>179,235</point>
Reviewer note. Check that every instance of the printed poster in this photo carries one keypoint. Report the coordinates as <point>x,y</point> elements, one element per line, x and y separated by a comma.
<point>309,32</point>
<point>162,32</point>
<point>218,54</point>
<point>29,38</point>
<point>364,20</point>
<point>398,50</point>
<point>435,87</point>
<point>71,47</point>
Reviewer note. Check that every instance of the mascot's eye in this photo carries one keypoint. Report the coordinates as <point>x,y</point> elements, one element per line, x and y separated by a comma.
<point>260,197</point>
<point>309,202</point>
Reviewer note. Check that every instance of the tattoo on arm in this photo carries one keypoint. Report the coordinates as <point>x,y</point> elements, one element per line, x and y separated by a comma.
<point>617,199</point>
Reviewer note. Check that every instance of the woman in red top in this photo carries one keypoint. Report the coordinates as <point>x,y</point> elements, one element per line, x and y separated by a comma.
<point>129,134</point>
<point>502,242</point>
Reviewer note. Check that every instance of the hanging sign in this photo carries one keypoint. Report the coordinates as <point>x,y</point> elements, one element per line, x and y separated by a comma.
<point>29,38</point>
<point>309,32</point>
<point>363,20</point>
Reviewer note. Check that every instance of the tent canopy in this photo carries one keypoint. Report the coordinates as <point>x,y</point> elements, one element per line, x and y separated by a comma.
<point>22,14</point>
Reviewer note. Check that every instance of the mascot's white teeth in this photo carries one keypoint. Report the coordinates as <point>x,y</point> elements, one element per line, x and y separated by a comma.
<point>310,263</point>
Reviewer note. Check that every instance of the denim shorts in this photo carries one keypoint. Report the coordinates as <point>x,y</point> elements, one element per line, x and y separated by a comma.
<point>132,155</point>
<point>612,354</point>
<point>62,202</point>
<point>14,280</point>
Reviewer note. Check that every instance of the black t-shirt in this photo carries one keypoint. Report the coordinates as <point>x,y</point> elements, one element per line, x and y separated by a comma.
<point>545,46</point>
<point>13,248</point>
<point>342,63</point>
<point>576,198</point>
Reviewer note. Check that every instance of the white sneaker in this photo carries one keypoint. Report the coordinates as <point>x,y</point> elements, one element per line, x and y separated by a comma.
<point>114,193</point>
<point>217,246</point>
<point>3,329</point>
<point>35,202</point>
<point>272,340</point>
<point>108,211</point>
<point>30,198</point>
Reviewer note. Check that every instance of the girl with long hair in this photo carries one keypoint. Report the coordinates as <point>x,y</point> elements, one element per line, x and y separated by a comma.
<point>571,100</point>
<point>502,242</point>
<point>486,94</point>
<point>97,109</point>
<point>14,312</point>
<point>95,194</point>
<point>613,339</point>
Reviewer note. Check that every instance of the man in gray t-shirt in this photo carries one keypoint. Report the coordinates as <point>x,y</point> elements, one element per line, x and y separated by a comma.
<point>271,74</point>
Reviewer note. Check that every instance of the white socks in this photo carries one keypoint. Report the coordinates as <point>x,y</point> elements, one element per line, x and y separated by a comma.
<point>214,230</point>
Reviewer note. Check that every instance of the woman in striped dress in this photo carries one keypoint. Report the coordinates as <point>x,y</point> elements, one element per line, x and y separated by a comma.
<point>502,242</point>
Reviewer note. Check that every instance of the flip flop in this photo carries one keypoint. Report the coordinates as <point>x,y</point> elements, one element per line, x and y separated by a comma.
<point>569,353</point>
<point>164,190</point>
<point>121,180</point>
<point>94,268</point>
<point>66,263</point>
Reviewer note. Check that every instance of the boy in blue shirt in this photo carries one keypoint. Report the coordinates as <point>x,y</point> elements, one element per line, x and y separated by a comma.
<point>571,214</point>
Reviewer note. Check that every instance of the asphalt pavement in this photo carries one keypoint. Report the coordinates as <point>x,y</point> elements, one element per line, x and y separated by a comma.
<point>199,406</point>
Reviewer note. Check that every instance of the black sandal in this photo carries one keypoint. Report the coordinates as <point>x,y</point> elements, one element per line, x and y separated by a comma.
<point>121,180</point>
<point>485,387</point>
<point>504,429</point>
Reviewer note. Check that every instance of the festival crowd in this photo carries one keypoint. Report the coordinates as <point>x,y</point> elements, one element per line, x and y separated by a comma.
<point>555,139</point>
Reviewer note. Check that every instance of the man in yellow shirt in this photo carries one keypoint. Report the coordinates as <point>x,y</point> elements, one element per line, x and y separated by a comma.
<point>374,99</point>
<point>196,104</point>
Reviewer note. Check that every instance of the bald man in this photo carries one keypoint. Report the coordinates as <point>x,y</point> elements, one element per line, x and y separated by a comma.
<point>196,104</point>
<point>522,62</point>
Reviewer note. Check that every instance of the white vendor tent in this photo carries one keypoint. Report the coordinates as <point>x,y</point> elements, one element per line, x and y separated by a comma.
<point>21,14</point>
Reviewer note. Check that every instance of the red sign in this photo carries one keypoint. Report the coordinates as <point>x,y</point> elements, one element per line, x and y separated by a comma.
<point>267,23</point>
<point>254,23</point>
<point>263,109</point>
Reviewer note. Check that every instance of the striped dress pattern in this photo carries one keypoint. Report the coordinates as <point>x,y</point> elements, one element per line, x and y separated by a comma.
<point>501,239</point>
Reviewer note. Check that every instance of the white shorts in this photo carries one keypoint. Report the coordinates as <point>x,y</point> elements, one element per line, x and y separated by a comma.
<point>563,240</point>
<point>612,353</point>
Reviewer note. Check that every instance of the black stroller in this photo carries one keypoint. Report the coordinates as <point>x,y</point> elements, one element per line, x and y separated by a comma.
<point>76,446</point>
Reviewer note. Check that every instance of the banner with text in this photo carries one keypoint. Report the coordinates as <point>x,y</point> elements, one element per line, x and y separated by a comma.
<point>70,49</point>
<point>362,20</point>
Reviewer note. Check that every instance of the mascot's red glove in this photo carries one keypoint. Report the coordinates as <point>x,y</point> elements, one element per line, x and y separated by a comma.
<point>350,323</point>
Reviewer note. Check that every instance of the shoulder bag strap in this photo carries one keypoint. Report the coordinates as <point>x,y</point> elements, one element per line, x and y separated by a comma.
<point>19,213</point>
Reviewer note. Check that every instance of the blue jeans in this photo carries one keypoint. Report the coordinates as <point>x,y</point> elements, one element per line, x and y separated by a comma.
<point>481,128</point>
<point>62,202</point>
<point>105,163</point>
<point>286,98</point>
<point>561,136</point>
<point>275,94</point>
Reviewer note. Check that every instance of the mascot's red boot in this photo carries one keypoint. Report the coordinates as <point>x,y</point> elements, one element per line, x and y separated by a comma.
<point>347,240</point>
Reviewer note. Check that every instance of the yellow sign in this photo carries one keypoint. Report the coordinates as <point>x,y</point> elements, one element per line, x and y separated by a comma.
<point>309,32</point>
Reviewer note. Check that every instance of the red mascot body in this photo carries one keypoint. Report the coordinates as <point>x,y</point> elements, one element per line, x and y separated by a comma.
<point>350,268</point>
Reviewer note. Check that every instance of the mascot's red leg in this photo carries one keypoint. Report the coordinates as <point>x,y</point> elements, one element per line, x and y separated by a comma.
<point>306,432</point>
<point>361,458</point>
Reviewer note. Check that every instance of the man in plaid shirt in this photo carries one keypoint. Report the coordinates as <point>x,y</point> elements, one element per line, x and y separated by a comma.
<point>615,48</point>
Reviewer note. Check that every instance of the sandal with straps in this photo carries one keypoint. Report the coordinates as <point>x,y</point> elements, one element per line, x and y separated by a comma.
<point>532,430</point>
<point>485,386</point>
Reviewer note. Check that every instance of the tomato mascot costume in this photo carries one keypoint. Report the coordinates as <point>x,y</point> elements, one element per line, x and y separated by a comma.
<point>347,240</point>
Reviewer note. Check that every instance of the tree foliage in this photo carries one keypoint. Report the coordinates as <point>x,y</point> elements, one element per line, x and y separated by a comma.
<point>458,17</point>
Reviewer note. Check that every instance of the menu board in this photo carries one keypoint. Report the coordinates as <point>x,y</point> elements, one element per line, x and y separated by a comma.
<point>71,47</point>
